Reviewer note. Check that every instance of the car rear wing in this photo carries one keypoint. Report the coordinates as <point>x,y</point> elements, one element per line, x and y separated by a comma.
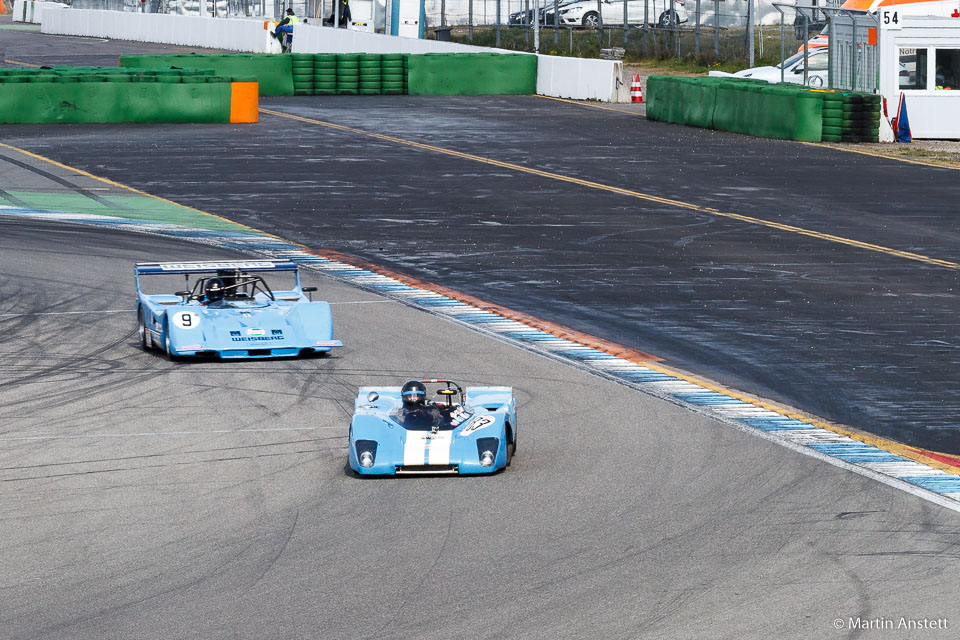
<point>247,266</point>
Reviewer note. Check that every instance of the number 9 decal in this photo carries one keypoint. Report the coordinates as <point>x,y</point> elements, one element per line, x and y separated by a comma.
<point>186,319</point>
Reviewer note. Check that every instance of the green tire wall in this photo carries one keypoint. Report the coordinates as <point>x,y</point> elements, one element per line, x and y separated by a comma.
<point>79,96</point>
<point>471,74</point>
<point>274,72</point>
<point>421,74</point>
<point>783,111</point>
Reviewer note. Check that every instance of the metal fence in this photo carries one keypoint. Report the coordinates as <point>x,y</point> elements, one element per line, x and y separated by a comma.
<point>711,30</point>
<point>210,8</point>
<point>854,64</point>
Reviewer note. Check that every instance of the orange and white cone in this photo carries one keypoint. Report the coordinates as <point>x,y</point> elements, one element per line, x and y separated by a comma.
<point>636,91</point>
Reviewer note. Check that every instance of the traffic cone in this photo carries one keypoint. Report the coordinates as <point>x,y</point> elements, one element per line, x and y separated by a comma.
<point>3,9</point>
<point>636,91</point>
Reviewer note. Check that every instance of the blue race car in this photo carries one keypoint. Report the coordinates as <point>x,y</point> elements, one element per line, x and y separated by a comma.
<point>398,430</point>
<point>251,309</point>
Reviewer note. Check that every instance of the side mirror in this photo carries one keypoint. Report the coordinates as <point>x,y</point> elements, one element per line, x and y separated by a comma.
<point>182,294</point>
<point>308,289</point>
<point>798,69</point>
<point>373,396</point>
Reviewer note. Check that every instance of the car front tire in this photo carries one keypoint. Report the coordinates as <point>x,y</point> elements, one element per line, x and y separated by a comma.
<point>166,342</point>
<point>591,20</point>
<point>146,342</point>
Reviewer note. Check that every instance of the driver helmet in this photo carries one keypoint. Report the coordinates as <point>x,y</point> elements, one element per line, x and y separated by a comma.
<point>414,394</point>
<point>214,289</point>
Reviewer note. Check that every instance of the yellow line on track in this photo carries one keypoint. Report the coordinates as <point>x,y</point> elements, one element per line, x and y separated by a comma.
<point>22,64</point>
<point>123,186</point>
<point>864,151</point>
<point>592,106</point>
<point>908,255</point>
<point>886,156</point>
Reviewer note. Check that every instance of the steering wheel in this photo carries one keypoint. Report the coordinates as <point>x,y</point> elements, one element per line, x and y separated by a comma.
<point>449,391</point>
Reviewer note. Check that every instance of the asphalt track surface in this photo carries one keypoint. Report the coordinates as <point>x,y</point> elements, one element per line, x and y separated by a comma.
<point>154,499</point>
<point>144,498</point>
<point>861,337</point>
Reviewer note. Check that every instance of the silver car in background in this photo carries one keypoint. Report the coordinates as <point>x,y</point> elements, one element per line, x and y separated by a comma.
<point>664,13</point>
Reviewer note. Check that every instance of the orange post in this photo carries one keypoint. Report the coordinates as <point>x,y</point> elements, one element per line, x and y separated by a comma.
<point>244,101</point>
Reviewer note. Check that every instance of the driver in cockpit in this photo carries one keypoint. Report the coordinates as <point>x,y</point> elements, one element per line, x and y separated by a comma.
<point>417,412</point>
<point>212,291</point>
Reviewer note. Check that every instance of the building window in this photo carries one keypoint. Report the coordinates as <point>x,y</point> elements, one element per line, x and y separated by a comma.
<point>948,69</point>
<point>913,69</point>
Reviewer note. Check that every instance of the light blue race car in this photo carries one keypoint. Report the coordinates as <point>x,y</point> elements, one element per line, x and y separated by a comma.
<point>244,309</point>
<point>398,430</point>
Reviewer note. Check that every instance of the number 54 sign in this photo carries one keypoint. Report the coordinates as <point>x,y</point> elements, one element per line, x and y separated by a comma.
<point>890,19</point>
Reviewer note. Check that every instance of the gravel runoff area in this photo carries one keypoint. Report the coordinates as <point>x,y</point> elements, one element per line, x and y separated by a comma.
<point>942,152</point>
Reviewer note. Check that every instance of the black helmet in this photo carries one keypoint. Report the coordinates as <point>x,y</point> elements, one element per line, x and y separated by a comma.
<point>214,289</point>
<point>414,393</point>
<point>289,10</point>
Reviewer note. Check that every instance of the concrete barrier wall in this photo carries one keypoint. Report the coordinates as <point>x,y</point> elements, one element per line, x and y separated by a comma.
<point>579,78</point>
<point>216,33</point>
<point>574,78</point>
<point>32,11</point>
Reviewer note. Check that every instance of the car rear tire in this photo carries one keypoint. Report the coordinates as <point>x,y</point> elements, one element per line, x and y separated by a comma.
<point>591,20</point>
<point>668,20</point>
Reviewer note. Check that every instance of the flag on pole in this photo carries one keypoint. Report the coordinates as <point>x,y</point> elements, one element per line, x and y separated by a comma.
<point>901,122</point>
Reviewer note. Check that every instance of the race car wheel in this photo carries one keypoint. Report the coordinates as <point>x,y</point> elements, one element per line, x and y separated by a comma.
<point>166,342</point>
<point>511,447</point>
<point>145,341</point>
<point>591,20</point>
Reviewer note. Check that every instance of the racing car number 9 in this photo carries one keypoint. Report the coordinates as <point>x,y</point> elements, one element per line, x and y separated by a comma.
<point>186,319</point>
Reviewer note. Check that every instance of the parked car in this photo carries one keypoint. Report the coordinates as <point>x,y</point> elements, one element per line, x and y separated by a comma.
<point>547,15</point>
<point>817,72</point>
<point>664,13</point>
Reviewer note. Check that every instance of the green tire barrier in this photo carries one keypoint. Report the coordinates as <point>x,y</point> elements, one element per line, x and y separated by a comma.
<point>109,95</point>
<point>274,72</point>
<point>782,111</point>
<point>851,117</point>
<point>352,73</point>
<point>103,102</point>
<point>471,74</point>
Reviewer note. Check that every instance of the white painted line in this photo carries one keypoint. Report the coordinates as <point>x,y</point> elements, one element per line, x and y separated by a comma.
<point>910,468</point>
<point>815,436</point>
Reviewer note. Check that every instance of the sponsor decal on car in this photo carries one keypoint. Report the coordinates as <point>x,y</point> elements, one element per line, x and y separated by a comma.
<point>177,266</point>
<point>255,332</point>
<point>480,423</point>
